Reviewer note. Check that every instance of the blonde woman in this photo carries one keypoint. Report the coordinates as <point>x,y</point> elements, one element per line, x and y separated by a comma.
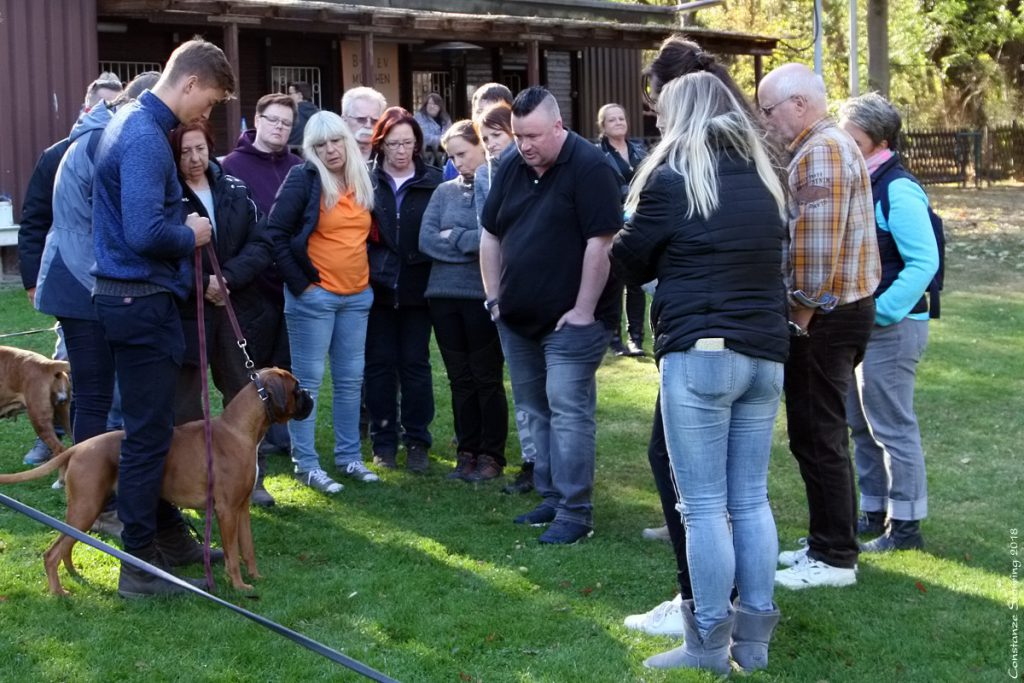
<point>319,223</point>
<point>707,220</point>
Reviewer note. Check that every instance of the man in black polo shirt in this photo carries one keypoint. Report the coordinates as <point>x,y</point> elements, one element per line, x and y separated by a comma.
<point>548,223</point>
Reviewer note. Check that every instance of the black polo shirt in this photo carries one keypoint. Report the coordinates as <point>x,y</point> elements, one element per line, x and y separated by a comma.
<point>543,224</point>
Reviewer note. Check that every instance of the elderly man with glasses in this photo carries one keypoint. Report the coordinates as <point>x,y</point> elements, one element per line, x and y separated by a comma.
<point>361,107</point>
<point>833,269</point>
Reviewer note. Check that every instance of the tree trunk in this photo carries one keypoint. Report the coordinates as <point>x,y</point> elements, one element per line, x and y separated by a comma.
<point>878,46</point>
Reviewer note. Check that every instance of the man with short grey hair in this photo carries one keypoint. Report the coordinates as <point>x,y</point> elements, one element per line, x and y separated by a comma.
<point>362,107</point>
<point>548,223</point>
<point>833,269</point>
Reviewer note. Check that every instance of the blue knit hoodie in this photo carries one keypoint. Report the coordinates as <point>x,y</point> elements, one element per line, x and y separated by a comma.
<point>137,224</point>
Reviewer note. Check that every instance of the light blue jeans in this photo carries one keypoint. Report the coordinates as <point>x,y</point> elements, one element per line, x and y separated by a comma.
<point>554,386</point>
<point>321,323</point>
<point>880,410</point>
<point>719,410</point>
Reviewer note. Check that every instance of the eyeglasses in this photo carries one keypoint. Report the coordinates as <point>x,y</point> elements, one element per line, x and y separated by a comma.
<point>276,121</point>
<point>400,144</point>
<point>364,121</point>
<point>767,111</point>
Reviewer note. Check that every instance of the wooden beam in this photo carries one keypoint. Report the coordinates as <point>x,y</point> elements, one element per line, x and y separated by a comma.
<point>533,63</point>
<point>234,105</point>
<point>368,63</point>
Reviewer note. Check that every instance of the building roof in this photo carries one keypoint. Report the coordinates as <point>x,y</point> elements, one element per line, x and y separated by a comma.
<point>562,23</point>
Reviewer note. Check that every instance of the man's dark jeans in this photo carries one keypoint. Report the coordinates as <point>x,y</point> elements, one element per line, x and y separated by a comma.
<point>92,375</point>
<point>145,338</point>
<point>818,376</point>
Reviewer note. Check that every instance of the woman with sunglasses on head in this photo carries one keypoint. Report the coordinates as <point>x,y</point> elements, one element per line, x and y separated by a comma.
<point>320,223</point>
<point>398,334</point>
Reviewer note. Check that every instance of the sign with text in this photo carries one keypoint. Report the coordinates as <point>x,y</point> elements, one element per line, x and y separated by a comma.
<point>385,56</point>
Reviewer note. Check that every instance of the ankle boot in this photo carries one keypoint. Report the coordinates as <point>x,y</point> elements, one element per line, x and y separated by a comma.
<point>260,496</point>
<point>871,523</point>
<point>900,535</point>
<point>465,463</point>
<point>750,637</point>
<point>179,547</point>
<point>138,583</point>
<point>710,653</point>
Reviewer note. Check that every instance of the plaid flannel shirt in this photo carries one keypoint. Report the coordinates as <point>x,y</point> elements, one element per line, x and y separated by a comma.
<point>833,248</point>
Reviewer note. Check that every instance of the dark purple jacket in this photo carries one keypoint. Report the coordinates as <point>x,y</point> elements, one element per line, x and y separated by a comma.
<point>263,172</point>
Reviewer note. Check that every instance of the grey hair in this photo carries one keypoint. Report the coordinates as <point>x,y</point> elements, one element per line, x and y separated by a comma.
<point>700,114</point>
<point>874,115</point>
<point>321,127</point>
<point>361,92</point>
<point>797,79</point>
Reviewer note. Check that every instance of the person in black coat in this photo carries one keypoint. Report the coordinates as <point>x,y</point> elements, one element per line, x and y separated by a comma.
<point>243,251</point>
<point>398,334</point>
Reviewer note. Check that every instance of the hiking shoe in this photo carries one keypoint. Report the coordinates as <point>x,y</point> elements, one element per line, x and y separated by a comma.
<point>38,454</point>
<point>465,463</point>
<point>871,523</point>
<point>487,468</point>
<point>385,460</point>
<point>417,459</point>
<point>901,535</point>
<point>539,516</point>
<point>358,471</point>
<point>813,573</point>
<point>261,496</point>
<point>664,620</point>
<point>318,480</point>
<point>179,546</point>
<point>565,533</point>
<point>138,583</point>
<point>789,558</point>
<point>635,348</point>
<point>523,482</point>
<point>108,523</point>
<point>659,533</point>
<point>616,347</point>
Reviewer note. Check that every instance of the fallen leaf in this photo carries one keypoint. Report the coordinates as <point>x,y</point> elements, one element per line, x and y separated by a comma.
<point>967,557</point>
<point>586,591</point>
<point>465,676</point>
<point>3,598</point>
<point>920,587</point>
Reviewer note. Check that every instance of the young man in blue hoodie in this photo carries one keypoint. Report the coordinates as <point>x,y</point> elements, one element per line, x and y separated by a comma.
<point>142,264</point>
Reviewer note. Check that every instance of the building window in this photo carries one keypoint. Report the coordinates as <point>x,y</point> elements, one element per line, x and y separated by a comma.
<point>281,76</point>
<point>126,71</point>
<point>426,82</point>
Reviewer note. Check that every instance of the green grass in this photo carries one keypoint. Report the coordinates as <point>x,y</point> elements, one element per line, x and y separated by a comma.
<point>428,580</point>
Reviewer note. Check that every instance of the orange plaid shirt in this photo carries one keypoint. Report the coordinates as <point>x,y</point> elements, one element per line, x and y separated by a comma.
<point>833,248</point>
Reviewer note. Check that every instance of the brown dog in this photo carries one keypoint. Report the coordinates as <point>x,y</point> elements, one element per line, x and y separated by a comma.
<point>91,471</point>
<point>32,383</point>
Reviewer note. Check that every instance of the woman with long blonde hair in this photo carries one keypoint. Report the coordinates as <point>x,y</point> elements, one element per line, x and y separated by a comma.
<point>706,220</point>
<point>319,224</point>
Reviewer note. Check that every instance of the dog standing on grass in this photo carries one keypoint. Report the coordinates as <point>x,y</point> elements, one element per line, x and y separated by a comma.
<point>91,471</point>
<point>30,382</point>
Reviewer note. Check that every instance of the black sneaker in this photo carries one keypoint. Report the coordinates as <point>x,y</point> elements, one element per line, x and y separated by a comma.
<point>417,460</point>
<point>138,583</point>
<point>635,347</point>
<point>523,482</point>
<point>539,516</point>
<point>565,533</point>
<point>385,460</point>
<point>871,523</point>
<point>617,348</point>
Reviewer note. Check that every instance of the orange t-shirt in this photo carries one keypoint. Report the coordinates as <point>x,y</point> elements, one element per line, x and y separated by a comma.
<point>337,247</point>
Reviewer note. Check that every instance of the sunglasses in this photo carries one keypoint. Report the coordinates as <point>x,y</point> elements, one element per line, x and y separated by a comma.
<point>767,111</point>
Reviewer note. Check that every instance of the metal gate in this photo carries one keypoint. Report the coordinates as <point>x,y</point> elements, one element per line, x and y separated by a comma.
<point>281,76</point>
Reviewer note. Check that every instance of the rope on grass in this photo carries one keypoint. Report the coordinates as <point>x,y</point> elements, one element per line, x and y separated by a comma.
<point>25,333</point>
<point>288,633</point>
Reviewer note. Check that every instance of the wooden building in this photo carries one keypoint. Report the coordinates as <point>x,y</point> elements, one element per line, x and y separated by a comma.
<point>587,52</point>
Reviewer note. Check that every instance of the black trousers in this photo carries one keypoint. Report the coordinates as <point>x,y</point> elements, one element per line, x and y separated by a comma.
<point>818,376</point>
<point>636,308</point>
<point>469,344</point>
<point>227,364</point>
<point>398,364</point>
<point>661,468</point>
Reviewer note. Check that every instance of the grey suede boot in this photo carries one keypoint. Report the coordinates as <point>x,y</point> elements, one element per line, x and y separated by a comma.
<point>710,653</point>
<point>750,637</point>
<point>899,535</point>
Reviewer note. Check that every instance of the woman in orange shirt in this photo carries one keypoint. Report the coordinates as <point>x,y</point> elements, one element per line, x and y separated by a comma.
<point>319,224</point>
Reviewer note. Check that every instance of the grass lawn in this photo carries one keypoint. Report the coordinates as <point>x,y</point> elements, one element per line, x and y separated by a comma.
<point>428,580</point>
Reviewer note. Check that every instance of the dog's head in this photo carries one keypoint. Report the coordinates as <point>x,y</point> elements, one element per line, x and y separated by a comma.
<point>286,400</point>
<point>60,387</point>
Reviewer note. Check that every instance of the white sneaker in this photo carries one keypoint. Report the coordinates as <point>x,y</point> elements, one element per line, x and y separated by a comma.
<point>659,533</point>
<point>664,620</point>
<point>357,470</point>
<point>813,573</point>
<point>318,479</point>
<point>789,558</point>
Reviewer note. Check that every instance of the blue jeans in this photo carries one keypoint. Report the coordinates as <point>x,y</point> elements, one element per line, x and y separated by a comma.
<point>553,384</point>
<point>321,323</point>
<point>880,410</point>
<point>719,409</point>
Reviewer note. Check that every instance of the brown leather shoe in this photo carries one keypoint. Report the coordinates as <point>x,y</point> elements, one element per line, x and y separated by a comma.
<point>523,482</point>
<point>487,468</point>
<point>465,463</point>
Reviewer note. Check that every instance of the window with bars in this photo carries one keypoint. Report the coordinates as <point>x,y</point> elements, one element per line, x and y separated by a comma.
<point>126,71</point>
<point>281,76</point>
<point>426,82</point>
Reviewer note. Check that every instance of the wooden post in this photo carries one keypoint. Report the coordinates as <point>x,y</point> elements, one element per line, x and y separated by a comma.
<point>533,63</point>
<point>369,67</point>
<point>234,105</point>
<point>758,73</point>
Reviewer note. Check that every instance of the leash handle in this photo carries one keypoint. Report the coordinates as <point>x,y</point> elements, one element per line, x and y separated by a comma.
<point>207,424</point>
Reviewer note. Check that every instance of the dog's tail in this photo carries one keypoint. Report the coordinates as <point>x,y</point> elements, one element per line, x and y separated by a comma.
<point>58,461</point>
